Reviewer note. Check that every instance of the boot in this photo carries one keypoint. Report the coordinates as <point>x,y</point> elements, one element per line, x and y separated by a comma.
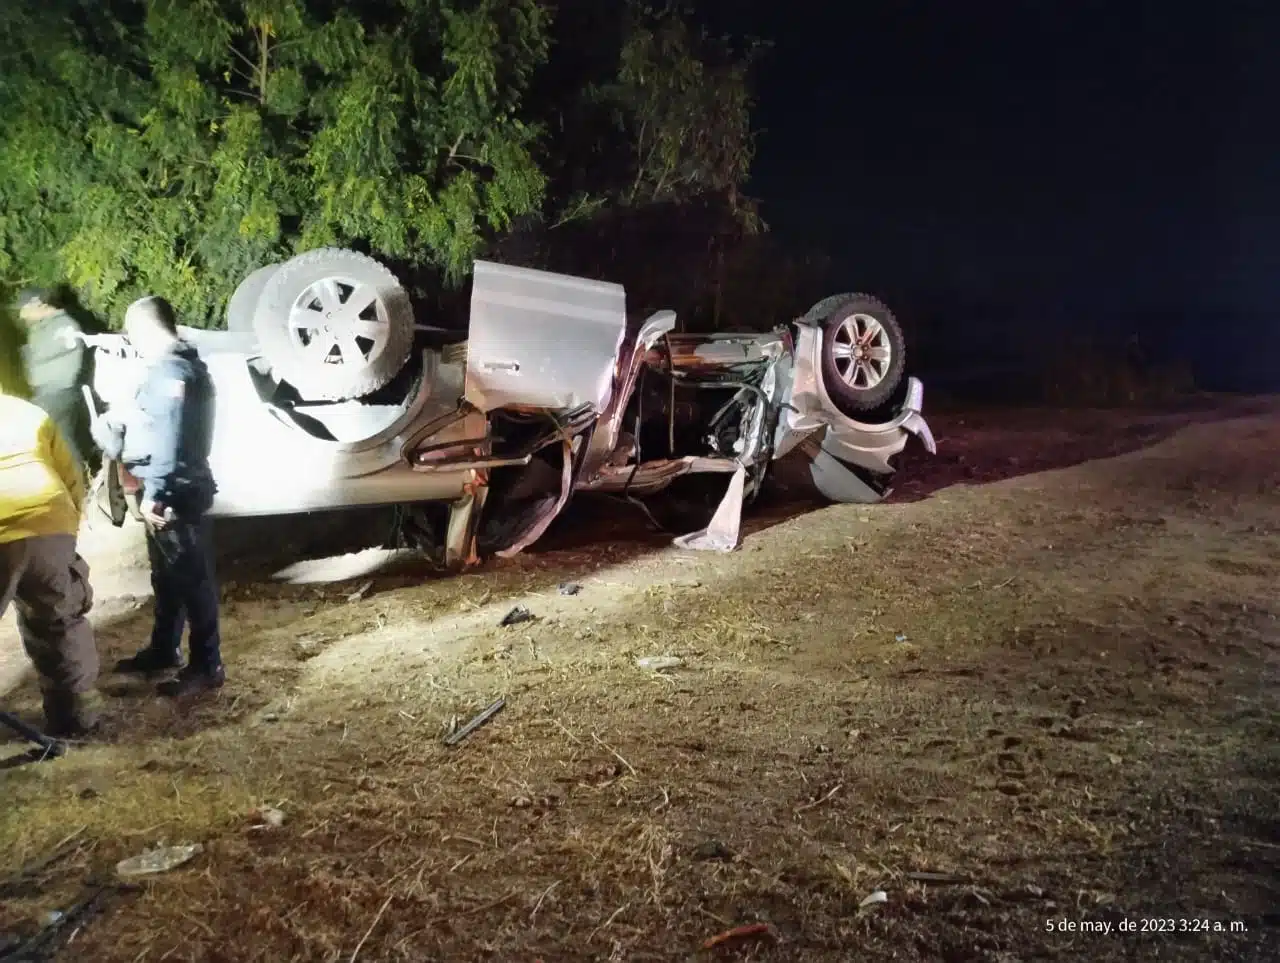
<point>191,681</point>
<point>149,661</point>
<point>71,715</point>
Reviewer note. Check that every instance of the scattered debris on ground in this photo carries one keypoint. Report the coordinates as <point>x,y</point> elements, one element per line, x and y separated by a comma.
<point>659,663</point>
<point>480,719</point>
<point>158,860</point>
<point>1079,725</point>
<point>517,616</point>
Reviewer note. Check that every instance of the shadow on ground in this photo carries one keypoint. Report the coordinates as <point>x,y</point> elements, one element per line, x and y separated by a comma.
<point>974,448</point>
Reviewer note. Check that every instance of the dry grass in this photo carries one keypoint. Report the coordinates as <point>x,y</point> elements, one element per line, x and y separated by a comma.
<point>1048,698</point>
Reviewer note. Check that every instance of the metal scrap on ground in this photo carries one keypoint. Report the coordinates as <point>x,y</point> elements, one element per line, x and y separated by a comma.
<point>456,737</point>
<point>516,616</point>
<point>59,928</point>
<point>159,860</point>
<point>361,592</point>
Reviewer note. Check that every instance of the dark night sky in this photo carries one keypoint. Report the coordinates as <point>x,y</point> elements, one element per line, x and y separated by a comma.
<point>1053,158</point>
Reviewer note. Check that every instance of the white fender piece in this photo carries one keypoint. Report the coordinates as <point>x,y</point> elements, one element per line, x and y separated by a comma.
<point>811,414</point>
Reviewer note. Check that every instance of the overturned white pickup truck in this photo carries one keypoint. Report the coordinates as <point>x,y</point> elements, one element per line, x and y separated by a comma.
<point>330,396</point>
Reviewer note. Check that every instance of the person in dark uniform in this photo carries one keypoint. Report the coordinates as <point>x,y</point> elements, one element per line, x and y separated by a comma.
<point>164,442</point>
<point>54,359</point>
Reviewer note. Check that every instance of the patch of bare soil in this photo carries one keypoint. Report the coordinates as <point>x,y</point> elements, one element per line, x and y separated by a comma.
<point>1037,712</point>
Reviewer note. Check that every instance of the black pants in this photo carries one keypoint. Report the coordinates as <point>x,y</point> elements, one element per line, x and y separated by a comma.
<point>186,590</point>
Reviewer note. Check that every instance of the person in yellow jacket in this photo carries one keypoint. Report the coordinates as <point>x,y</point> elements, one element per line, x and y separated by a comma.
<point>42,493</point>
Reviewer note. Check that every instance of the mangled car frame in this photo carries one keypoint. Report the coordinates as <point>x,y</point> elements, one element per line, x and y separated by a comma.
<point>330,395</point>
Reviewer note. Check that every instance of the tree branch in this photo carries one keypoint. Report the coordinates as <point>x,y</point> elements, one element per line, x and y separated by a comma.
<point>251,65</point>
<point>264,51</point>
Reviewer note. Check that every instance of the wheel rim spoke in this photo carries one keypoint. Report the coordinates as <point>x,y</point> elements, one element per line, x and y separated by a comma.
<point>330,297</point>
<point>320,346</point>
<point>842,351</point>
<point>306,318</point>
<point>360,300</point>
<point>350,350</point>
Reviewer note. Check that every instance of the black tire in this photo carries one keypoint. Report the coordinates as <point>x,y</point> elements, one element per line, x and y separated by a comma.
<point>847,309</point>
<point>324,376</point>
<point>825,308</point>
<point>243,305</point>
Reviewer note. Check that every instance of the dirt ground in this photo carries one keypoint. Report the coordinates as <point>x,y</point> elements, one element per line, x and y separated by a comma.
<point>1031,700</point>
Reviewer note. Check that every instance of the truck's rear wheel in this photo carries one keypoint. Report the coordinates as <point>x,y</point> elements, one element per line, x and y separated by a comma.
<point>864,355</point>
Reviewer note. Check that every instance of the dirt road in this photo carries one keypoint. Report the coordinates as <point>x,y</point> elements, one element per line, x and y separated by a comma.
<point>1036,709</point>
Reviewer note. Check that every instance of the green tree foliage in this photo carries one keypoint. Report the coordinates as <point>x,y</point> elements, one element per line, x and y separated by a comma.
<point>13,336</point>
<point>663,118</point>
<point>683,104</point>
<point>650,119</point>
<point>172,146</point>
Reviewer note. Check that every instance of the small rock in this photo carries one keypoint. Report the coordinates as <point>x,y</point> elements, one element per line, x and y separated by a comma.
<point>570,588</point>
<point>659,663</point>
<point>876,898</point>
<point>270,818</point>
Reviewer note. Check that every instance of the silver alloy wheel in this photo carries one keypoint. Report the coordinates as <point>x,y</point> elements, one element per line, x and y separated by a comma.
<point>861,351</point>
<point>340,321</point>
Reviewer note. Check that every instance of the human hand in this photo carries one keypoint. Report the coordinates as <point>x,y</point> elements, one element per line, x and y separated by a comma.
<point>155,514</point>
